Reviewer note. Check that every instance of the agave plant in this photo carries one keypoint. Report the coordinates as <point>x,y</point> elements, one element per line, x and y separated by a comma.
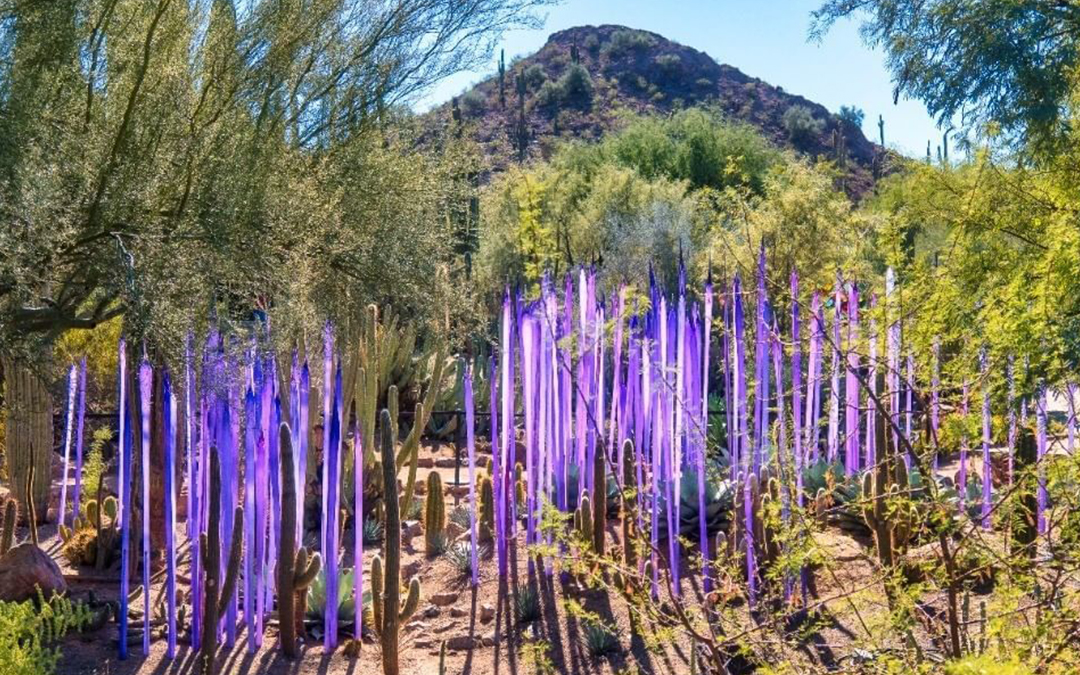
<point>373,531</point>
<point>719,498</point>
<point>316,601</point>
<point>460,556</point>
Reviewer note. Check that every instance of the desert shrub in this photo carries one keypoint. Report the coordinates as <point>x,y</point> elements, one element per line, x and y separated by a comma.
<point>576,86</point>
<point>703,82</point>
<point>668,63</point>
<point>526,605</point>
<point>623,42</point>
<point>591,44</point>
<point>800,124</point>
<point>472,102</point>
<point>535,76</point>
<point>549,95</point>
<point>28,631</point>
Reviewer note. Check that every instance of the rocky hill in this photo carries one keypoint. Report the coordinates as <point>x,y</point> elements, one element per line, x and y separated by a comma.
<point>584,80</point>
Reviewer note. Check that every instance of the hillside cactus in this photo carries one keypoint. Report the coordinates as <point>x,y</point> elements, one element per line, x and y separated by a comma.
<point>388,610</point>
<point>296,568</point>
<point>217,594</point>
<point>434,515</point>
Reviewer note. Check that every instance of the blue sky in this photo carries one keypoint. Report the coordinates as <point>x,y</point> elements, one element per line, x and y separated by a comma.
<point>765,39</point>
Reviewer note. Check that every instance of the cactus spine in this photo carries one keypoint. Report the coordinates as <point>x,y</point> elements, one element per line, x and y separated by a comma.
<point>434,515</point>
<point>217,598</point>
<point>295,569</point>
<point>386,584</point>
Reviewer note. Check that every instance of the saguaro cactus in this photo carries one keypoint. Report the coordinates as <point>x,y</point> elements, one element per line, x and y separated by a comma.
<point>296,570</point>
<point>217,595</point>
<point>434,514</point>
<point>386,586</point>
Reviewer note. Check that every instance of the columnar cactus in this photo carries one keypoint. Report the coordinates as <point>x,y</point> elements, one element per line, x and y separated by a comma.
<point>388,611</point>
<point>434,515</point>
<point>486,517</point>
<point>217,598</point>
<point>7,537</point>
<point>886,516</point>
<point>629,506</point>
<point>29,436</point>
<point>599,517</point>
<point>296,568</point>
<point>583,518</point>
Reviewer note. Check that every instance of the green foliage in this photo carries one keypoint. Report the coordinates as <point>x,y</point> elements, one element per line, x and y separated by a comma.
<point>30,629</point>
<point>576,86</point>
<point>372,532</point>
<point>801,125</point>
<point>996,63</point>
<point>94,462</point>
<point>600,640</point>
<point>460,556</point>
<point>985,665</point>
<point>190,154</point>
<point>668,63</point>
<point>852,115</point>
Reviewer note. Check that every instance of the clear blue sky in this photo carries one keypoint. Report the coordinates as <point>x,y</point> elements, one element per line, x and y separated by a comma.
<point>765,39</point>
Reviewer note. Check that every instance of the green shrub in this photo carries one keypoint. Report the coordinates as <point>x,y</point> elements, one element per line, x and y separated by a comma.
<point>591,44</point>
<point>576,85</point>
<point>852,114</point>
<point>94,462</point>
<point>28,631</point>
<point>625,41</point>
<point>535,76</point>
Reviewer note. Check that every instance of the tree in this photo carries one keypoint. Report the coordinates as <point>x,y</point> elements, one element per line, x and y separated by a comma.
<point>160,157</point>
<point>1005,64</point>
<point>852,115</point>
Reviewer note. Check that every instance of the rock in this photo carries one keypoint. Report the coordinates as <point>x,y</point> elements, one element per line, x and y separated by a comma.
<point>25,568</point>
<point>449,625</point>
<point>425,462</point>
<point>431,612</point>
<point>487,613</point>
<point>411,569</point>
<point>460,643</point>
<point>488,641</point>
<point>423,643</point>
<point>445,462</point>
<point>444,599</point>
<point>411,529</point>
<point>415,625</point>
<point>458,613</point>
<point>459,491</point>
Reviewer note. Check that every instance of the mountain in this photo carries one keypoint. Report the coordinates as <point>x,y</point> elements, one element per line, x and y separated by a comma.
<point>583,80</point>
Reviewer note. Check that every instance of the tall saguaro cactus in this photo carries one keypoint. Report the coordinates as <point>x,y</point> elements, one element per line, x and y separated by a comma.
<point>218,592</point>
<point>29,435</point>
<point>296,570</point>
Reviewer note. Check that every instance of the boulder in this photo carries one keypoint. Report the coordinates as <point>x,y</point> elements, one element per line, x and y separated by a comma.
<point>444,599</point>
<point>487,613</point>
<point>24,569</point>
<point>458,613</point>
<point>460,643</point>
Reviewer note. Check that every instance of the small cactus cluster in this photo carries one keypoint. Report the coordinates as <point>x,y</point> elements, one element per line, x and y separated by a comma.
<point>583,518</point>
<point>764,506</point>
<point>90,540</point>
<point>434,516</point>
